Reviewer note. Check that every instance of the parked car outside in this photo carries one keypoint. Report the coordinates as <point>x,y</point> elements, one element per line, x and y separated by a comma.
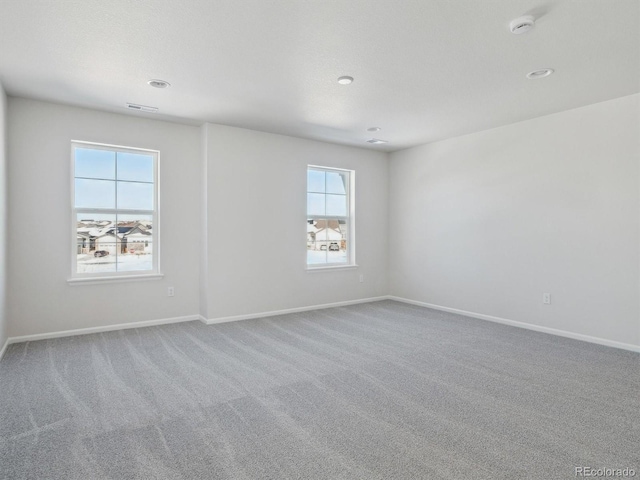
<point>100,253</point>
<point>332,247</point>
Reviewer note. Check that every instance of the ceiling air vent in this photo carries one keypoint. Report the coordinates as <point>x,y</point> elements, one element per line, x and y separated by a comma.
<point>545,72</point>
<point>159,83</point>
<point>376,141</point>
<point>142,108</point>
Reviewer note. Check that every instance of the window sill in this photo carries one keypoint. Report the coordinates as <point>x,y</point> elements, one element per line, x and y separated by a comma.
<point>115,279</point>
<point>331,268</point>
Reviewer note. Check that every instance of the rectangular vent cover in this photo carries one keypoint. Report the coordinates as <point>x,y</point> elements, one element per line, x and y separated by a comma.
<point>142,108</point>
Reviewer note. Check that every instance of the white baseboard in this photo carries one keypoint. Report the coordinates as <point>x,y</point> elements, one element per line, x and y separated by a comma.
<point>105,328</point>
<point>272,313</point>
<point>210,321</point>
<point>528,326</point>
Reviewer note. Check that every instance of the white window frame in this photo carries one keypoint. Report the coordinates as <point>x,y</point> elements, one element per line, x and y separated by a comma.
<point>350,219</point>
<point>106,277</point>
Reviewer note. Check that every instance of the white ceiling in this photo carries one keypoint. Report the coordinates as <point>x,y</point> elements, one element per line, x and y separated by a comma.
<point>424,70</point>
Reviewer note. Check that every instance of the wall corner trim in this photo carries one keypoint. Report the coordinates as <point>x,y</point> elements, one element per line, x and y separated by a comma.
<point>528,326</point>
<point>4,349</point>
<point>249,316</point>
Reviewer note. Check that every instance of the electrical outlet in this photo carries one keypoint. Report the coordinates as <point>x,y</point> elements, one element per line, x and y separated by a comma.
<point>361,278</point>
<point>170,292</point>
<point>546,298</point>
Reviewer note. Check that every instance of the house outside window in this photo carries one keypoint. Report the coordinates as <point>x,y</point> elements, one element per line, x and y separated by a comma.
<point>330,214</point>
<point>114,211</point>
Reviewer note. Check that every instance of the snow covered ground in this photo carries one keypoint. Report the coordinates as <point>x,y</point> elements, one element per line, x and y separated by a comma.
<point>131,262</point>
<point>317,257</point>
<point>126,263</point>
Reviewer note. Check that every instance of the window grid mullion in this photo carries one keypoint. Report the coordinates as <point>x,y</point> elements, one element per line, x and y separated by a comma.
<point>113,180</point>
<point>113,211</point>
<point>116,224</point>
<point>325,217</point>
<point>326,222</point>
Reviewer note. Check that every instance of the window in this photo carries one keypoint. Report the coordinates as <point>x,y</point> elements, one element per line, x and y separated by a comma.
<point>115,211</point>
<point>329,217</point>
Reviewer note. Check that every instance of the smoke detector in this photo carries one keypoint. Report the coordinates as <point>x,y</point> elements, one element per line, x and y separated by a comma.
<point>522,24</point>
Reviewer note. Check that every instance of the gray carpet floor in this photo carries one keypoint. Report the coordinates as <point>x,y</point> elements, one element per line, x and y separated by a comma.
<point>374,391</point>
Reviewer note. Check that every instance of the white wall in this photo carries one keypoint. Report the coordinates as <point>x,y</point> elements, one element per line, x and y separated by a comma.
<point>484,223</point>
<point>256,204</point>
<point>488,222</point>
<point>3,218</point>
<point>40,298</point>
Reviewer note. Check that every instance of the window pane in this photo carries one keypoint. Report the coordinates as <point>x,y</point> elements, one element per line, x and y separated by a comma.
<point>96,243</point>
<point>316,256</point>
<point>326,241</point>
<point>328,229</point>
<point>135,167</point>
<point>315,204</point>
<point>135,196</point>
<point>91,163</point>
<point>136,233</point>
<point>95,193</point>
<point>337,182</point>
<point>321,234</point>
<point>337,252</point>
<point>315,181</point>
<point>316,242</point>
<point>337,205</point>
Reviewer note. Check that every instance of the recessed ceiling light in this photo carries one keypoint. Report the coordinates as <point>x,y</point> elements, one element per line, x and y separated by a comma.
<point>345,80</point>
<point>376,141</point>
<point>142,108</point>
<point>374,129</point>
<point>545,72</point>
<point>159,83</point>
<point>521,24</point>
